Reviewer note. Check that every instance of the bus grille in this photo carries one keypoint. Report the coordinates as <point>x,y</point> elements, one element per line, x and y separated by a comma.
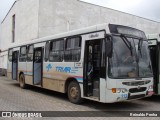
<point>136,96</point>
<point>135,90</point>
<point>136,83</point>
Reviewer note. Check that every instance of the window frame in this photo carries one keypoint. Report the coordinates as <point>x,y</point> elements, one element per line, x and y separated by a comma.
<point>22,54</point>
<point>46,58</point>
<point>50,51</point>
<point>72,49</point>
<point>30,53</point>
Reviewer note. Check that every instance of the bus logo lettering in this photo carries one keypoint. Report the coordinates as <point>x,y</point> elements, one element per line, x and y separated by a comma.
<point>63,69</point>
<point>94,35</point>
<point>139,87</point>
<point>49,67</point>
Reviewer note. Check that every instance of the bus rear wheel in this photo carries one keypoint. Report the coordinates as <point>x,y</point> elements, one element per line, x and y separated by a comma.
<point>74,93</point>
<point>22,81</point>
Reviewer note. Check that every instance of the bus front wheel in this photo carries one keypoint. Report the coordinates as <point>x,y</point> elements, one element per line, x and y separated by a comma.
<point>74,93</point>
<point>22,81</point>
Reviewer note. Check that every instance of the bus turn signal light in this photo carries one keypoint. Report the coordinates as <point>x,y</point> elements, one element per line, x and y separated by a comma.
<point>113,90</point>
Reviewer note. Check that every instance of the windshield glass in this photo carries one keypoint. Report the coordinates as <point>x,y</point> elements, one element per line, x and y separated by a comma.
<point>143,59</point>
<point>129,62</point>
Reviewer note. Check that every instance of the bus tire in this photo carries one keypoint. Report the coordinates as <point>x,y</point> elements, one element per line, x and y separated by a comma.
<point>74,93</point>
<point>22,81</point>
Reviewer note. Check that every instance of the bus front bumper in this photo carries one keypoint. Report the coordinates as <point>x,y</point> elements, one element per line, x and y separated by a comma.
<point>118,97</point>
<point>140,95</point>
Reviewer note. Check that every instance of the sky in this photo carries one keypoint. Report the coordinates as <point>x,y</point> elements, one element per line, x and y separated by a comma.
<point>5,5</point>
<point>144,8</point>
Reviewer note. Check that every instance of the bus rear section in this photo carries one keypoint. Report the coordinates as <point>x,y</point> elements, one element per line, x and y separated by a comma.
<point>3,63</point>
<point>154,46</point>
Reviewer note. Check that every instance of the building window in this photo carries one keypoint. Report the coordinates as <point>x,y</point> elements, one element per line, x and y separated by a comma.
<point>10,55</point>
<point>30,53</point>
<point>56,51</point>
<point>73,49</point>
<point>23,53</point>
<point>13,28</point>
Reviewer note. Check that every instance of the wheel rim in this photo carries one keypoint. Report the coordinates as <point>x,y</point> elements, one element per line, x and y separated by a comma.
<point>74,92</point>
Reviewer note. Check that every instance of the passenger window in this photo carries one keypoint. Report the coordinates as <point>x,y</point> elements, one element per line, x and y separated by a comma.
<point>30,53</point>
<point>23,53</point>
<point>73,49</point>
<point>47,49</point>
<point>56,51</point>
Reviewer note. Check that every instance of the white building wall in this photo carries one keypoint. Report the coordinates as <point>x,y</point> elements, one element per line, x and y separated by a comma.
<point>63,15</point>
<point>3,60</point>
<point>26,25</point>
<point>39,18</point>
<point>6,29</point>
<point>27,20</point>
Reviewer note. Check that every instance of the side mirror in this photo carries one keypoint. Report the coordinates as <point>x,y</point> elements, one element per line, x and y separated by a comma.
<point>109,47</point>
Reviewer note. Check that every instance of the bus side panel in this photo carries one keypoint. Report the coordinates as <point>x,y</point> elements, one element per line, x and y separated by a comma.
<point>29,73</point>
<point>28,79</point>
<point>51,78</point>
<point>55,75</point>
<point>3,63</point>
<point>9,70</point>
<point>51,84</point>
<point>22,68</point>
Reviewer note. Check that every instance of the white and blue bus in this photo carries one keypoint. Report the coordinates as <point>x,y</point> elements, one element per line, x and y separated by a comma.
<point>104,63</point>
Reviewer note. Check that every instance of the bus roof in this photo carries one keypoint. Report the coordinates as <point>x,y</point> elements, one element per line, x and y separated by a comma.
<point>86,30</point>
<point>155,36</point>
<point>65,34</point>
<point>153,39</point>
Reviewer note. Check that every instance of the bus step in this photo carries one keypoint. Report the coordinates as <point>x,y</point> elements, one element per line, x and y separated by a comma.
<point>96,84</point>
<point>96,92</point>
<point>38,85</point>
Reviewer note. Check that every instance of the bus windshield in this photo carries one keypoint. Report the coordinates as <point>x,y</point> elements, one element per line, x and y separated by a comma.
<point>129,62</point>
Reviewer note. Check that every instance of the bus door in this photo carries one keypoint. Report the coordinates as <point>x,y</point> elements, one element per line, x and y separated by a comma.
<point>154,55</point>
<point>14,65</point>
<point>92,68</point>
<point>37,66</point>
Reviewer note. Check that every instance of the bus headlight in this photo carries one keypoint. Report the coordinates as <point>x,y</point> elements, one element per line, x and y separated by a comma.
<point>119,90</point>
<point>124,90</point>
<point>151,87</point>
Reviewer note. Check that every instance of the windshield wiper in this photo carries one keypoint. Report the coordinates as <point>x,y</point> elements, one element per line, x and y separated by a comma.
<point>127,43</point>
<point>140,46</point>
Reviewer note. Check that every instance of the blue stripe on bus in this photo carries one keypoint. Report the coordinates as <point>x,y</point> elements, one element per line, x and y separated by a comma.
<point>28,73</point>
<point>80,79</point>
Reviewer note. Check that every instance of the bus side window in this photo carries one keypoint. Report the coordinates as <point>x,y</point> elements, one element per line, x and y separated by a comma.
<point>30,53</point>
<point>10,55</point>
<point>47,49</point>
<point>23,54</point>
<point>73,49</point>
<point>57,51</point>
